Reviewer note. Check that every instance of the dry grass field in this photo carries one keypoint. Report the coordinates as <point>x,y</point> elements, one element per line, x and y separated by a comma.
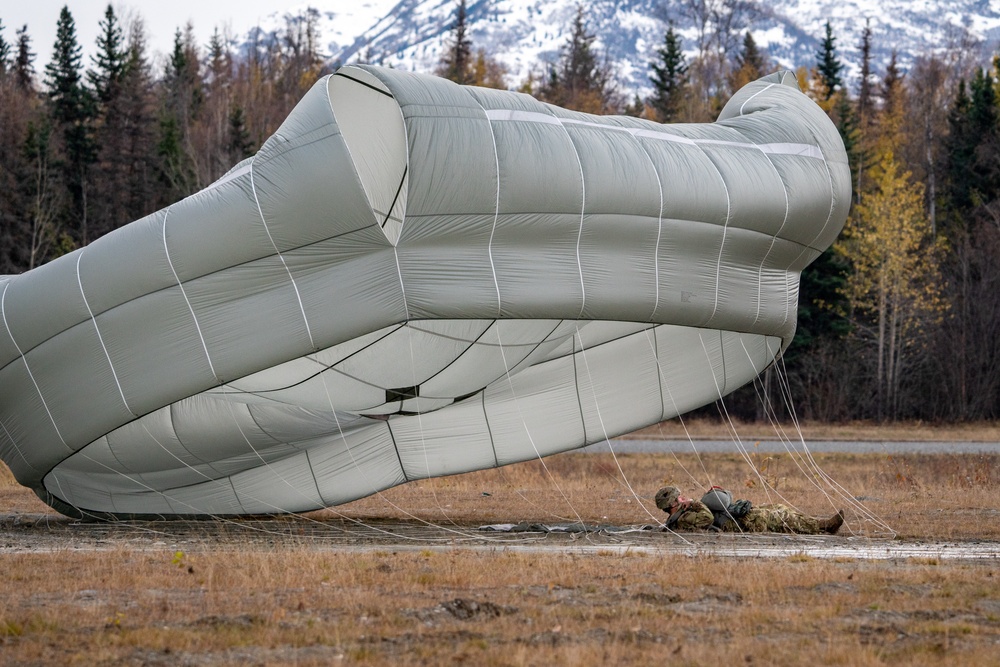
<point>405,577</point>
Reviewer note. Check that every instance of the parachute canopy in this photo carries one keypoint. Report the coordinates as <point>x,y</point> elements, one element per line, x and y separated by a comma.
<point>414,278</point>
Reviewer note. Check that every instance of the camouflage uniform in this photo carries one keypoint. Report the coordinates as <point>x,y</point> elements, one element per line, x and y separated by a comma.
<point>689,515</point>
<point>776,519</point>
<point>693,516</point>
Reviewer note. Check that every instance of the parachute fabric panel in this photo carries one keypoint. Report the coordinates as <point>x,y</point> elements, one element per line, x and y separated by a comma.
<point>413,278</point>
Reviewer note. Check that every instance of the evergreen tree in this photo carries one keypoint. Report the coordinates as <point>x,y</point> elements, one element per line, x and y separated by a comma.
<point>110,60</point>
<point>863,110</point>
<point>456,63</point>
<point>71,108</point>
<point>114,162</point>
<point>973,146</point>
<point>864,104</point>
<point>182,97</point>
<point>138,112</point>
<point>579,82</point>
<point>751,57</point>
<point>24,62</point>
<point>239,146</point>
<point>750,64</point>
<point>828,65</point>
<point>669,78</point>
<point>5,51</point>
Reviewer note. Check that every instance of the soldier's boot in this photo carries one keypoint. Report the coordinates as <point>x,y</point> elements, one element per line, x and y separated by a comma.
<point>833,524</point>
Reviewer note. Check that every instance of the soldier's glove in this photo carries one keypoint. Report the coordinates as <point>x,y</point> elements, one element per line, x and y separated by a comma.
<point>739,509</point>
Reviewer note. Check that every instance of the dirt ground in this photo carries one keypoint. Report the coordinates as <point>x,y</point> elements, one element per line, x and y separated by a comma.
<point>408,577</point>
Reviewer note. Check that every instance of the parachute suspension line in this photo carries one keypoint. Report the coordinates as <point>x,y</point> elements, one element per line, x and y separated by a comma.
<point>734,434</point>
<point>680,418</point>
<point>24,360</point>
<point>795,455</point>
<point>804,457</point>
<point>107,355</point>
<point>858,507</point>
<point>527,430</point>
<point>201,336</point>
<point>604,432</point>
<point>295,286</point>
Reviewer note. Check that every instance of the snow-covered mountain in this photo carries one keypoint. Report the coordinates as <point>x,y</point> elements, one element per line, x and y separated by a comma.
<point>525,33</point>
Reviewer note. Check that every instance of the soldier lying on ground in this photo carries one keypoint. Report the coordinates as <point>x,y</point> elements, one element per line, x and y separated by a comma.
<point>739,516</point>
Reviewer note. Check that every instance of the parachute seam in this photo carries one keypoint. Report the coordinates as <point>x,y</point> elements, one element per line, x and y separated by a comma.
<point>829,216</point>
<point>747,101</point>
<point>725,230</point>
<point>197,326</point>
<point>363,83</point>
<point>326,367</point>
<point>236,495</point>
<point>489,431</point>
<point>392,206</point>
<point>173,427</point>
<point>659,229</point>
<point>583,212</point>
<point>295,286</point>
<point>784,221</point>
<point>16,448</point>
<point>392,436</point>
<point>805,246</point>
<point>496,210</point>
<point>121,392</point>
<point>24,360</point>
<point>402,287</point>
<point>576,383</point>
<point>468,346</point>
<point>312,471</point>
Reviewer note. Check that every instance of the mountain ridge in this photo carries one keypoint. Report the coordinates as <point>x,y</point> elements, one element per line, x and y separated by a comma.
<point>526,34</point>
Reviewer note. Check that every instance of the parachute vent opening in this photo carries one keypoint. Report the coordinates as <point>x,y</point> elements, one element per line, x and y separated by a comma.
<point>401,394</point>
<point>372,126</point>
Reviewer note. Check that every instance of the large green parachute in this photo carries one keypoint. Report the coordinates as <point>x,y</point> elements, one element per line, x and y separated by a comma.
<point>414,278</point>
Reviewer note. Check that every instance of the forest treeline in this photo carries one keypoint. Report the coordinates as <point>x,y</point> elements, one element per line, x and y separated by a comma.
<point>899,320</point>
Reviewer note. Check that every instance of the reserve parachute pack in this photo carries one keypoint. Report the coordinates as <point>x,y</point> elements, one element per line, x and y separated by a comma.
<point>720,502</point>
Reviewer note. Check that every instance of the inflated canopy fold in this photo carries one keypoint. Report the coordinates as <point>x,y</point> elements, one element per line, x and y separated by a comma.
<point>414,278</point>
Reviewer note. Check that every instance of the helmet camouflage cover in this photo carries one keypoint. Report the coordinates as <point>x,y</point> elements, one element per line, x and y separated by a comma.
<point>666,497</point>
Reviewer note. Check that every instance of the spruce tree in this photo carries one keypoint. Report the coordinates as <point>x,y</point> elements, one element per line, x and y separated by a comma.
<point>110,60</point>
<point>750,57</point>
<point>828,65</point>
<point>749,65</point>
<point>456,63</point>
<point>579,81</point>
<point>669,78</point>
<point>112,171</point>
<point>239,145</point>
<point>24,62</point>
<point>5,51</point>
<point>71,109</point>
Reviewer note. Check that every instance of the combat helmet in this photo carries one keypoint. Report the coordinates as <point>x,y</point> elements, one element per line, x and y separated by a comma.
<point>666,497</point>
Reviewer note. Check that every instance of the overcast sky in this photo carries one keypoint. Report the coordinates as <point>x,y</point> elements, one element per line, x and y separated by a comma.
<point>162,18</point>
